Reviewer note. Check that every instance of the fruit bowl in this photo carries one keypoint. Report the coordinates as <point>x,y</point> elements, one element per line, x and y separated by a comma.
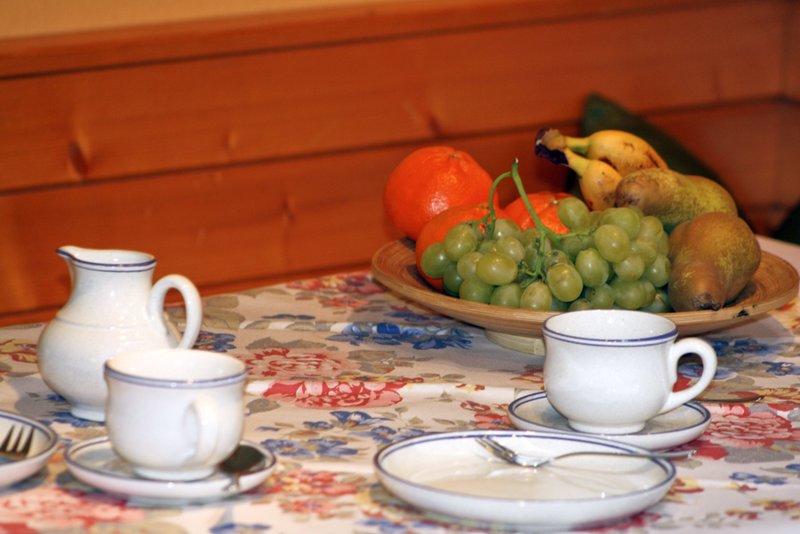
<point>774,284</point>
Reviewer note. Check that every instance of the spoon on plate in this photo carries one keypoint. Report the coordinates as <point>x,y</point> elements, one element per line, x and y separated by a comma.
<point>511,456</point>
<point>241,461</point>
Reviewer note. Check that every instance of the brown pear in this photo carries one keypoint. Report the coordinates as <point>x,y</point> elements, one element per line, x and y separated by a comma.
<point>713,256</point>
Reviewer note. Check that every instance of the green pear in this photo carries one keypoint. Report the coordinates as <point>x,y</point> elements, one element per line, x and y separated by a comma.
<point>713,257</point>
<point>671,196</point>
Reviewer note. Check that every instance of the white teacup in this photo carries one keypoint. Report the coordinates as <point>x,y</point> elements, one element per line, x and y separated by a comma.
<point>174,414</point>
<point>610,371</point>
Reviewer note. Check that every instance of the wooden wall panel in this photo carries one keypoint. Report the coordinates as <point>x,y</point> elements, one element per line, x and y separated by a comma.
<point>158,117</point>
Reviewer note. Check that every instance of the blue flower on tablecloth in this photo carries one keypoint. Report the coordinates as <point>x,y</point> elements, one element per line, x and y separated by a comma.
<point>387,526</point>
<point>782,368</point>
<point>318,425</point>
<point>332,448</point>
<point>384,434</point>
<point>287,447</point>
<point>296,316</point>
<point>694,370</point>
<point>356,418</point>
<point>758,479</point>
<point>743,347</point>
<point>413,317</point>
<point>233,528</point>
<point>214,342</point>
<point>393,334</point>
<point>326,448</point>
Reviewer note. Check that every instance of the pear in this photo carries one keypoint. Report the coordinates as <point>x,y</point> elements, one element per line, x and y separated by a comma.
<point>671,196</point>
<point>713,257</point>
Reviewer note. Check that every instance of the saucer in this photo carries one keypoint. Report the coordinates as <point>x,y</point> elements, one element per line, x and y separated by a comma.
<point>95,463</point>
<point>450,474</point>
<point>44,444</point>
<point>676,427</point>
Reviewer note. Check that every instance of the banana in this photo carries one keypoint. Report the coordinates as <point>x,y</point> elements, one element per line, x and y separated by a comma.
<point>597,179</point>
<point>624,151</point>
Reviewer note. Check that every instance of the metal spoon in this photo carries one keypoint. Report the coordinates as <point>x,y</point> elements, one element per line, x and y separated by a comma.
<point>511,456</point>
<point>241,461</point>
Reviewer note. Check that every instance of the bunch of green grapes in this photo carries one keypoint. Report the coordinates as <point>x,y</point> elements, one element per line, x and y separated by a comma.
<point>616,258</point>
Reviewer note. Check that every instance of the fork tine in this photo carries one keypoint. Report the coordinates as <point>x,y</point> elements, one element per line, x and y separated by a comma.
<point>26,447</point>
<point>4,447</point>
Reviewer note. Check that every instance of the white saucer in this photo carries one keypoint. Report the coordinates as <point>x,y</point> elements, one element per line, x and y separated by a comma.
<point>44,444</point>
<point>679,426</point>
<point>95,463</point>
<point>453,475</point>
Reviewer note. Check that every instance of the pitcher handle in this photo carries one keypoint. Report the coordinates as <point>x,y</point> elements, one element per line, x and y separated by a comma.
<point>709,358</point>
<point>191,299</point>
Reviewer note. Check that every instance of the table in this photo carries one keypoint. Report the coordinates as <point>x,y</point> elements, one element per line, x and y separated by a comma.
<point>339,367</point>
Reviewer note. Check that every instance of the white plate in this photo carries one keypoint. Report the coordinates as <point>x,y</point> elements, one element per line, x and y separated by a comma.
<point>95,463</point>
<point>45,442</point>
<point>679,426</point>
<point>453,475</point>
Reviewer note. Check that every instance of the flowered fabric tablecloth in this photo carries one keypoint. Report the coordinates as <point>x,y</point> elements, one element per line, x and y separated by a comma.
<point>340,367</point>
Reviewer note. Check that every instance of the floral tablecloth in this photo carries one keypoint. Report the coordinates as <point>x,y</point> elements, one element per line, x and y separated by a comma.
<point>340,367</point>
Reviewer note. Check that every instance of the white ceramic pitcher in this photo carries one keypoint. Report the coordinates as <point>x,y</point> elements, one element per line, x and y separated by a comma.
<point>113,308</point>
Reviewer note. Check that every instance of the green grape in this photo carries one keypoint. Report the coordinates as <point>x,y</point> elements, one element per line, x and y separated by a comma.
<point>529,236</point>
<point>594,220</point>
<point>505,227</point>
<point>592,267</point>
<point>554,258</point>
<point>573,244</point>
<point>574,214</point>
<point>658,272</point>
<point>468,264</point>
<point>434,260</point>
<point>660,303</point>
<point>628,294</point>
<point>496,269</point>
<point>564,282</point>
<point>649,293</point>
<point>487,245</point>
<point>536,296</point>
<point>612,242</point>
<point>580,304</point>
<point>459,240</point>
<point>531,255</point>
<point>559,305</point>
<point>451,280</point>
<point>631,268</point>
<point>476,290</point>
<point>601,297</point>
<point>650,227</point>
<point>506,295</point>
<point>646,248</point>
<point>626,218</point>
<point>511,247</point>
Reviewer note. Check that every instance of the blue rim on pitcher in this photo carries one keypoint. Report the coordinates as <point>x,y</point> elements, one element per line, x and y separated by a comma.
<point>109,259</point>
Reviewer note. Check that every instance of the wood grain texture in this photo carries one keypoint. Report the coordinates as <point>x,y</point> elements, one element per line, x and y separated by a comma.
<point>249,150</point>
<point>152,118</point>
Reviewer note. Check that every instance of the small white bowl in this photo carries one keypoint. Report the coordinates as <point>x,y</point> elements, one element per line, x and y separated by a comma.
<point>45,442</point>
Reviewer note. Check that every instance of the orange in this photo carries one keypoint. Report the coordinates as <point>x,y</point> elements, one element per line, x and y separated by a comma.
<point>435,230</point>
<point>545,204</point>
<point>430,180</point>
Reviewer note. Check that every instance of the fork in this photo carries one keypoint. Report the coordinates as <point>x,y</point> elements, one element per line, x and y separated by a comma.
<point>16,449</point>
<point>511,456</point>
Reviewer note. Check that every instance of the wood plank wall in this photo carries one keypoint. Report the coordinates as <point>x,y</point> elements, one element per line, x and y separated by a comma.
<point>248,150</point>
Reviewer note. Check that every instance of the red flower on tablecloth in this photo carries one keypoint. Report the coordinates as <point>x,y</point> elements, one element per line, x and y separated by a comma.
<point>50,509</point>
<point>359,283</point>
<point>282,362</point>
<point>332,394</point>
<point>344,301</point>
<point>735,426</point>
<point>325,483</point>
<point>489,417</point>
<point>19,350</point>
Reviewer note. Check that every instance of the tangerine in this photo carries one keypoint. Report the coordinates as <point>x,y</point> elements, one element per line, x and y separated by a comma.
<point>430,180</point>
<point>545,204</point>
<point>436,229</point>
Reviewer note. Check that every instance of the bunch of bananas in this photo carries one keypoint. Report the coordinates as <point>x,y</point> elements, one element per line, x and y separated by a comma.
<point>713,262</point>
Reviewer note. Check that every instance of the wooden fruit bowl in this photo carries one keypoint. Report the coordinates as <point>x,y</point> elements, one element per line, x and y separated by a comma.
<point>774,284</point>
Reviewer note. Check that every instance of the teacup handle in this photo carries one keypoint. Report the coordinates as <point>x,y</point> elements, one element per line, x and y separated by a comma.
<point>191,298</point>
<point>206,414</point>
<point>707,355</point>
